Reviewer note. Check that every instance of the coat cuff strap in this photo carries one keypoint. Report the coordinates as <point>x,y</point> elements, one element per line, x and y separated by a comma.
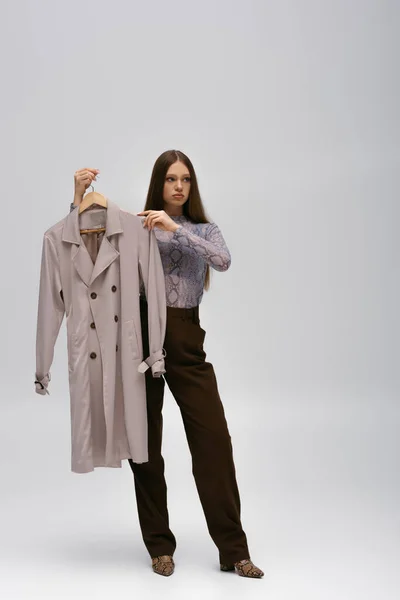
<point>41,385</point>
<point>150,360</point>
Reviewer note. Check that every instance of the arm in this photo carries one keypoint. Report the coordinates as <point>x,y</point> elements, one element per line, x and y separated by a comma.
<point>212,248</point>
<point>50,314</point>
<point>152,274</point>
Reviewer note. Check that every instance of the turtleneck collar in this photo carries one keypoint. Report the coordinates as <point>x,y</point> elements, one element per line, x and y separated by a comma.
<point>179,217</point>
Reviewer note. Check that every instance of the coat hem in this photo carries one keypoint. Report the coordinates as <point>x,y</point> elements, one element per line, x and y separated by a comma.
<point>117,465</point>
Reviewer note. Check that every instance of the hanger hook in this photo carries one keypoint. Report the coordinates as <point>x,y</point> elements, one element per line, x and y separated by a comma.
<point>92,187</point>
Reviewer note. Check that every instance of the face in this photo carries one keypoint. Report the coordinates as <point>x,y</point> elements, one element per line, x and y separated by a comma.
<point>177,181</point>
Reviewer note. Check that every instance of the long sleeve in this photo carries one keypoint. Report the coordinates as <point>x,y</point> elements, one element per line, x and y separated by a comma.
<point>212,248</point>
<point>152,273</point>
<point>49,316</point>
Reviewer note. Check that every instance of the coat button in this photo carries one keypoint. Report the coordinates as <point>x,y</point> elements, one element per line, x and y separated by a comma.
<point>114,288</point>
<point>116,318</point>
<point>116,348</point>
<point>92,325</point>
<point>93,355</point>
<point>93,295</point>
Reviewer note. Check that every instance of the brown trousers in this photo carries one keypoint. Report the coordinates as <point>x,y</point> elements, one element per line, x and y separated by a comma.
<point>192,382</point>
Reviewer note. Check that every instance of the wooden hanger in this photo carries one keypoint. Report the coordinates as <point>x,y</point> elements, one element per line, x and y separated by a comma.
<point>90,199</point>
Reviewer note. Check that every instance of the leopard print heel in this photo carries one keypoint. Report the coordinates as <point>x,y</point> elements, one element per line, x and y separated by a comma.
<point>244,568</point>
<point>163,565</point>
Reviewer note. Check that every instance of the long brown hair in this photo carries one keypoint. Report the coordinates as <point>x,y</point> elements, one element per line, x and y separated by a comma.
<point>193,208</point>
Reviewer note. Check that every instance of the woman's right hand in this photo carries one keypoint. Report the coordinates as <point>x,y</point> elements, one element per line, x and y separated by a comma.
<point>83,178</point>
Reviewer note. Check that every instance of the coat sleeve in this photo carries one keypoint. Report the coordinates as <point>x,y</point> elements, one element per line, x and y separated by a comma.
<point>152,273</point>
<point>49,316</point>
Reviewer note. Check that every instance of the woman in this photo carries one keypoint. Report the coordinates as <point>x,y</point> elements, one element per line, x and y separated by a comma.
<point>189,244</point>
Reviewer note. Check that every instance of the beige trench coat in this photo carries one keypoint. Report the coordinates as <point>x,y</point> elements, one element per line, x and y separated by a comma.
<point>96,284</point>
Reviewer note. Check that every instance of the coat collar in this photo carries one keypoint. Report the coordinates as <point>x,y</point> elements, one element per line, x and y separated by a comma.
<point>80,255</point>
<point>73,222</point>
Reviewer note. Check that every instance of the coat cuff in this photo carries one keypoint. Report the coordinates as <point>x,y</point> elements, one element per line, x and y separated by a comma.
<point>41,385</point>
<point>156,362</point>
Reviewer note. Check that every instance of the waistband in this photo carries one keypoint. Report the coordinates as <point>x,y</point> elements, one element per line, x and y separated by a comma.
<point>176,311</point>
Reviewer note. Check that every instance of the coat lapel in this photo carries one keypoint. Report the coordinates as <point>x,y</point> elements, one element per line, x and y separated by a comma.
<point>107,254</point>
<point>80,255</point>
<point>83,263</point>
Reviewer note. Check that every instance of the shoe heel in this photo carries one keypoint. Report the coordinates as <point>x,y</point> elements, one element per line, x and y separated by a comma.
<point>227,567</point>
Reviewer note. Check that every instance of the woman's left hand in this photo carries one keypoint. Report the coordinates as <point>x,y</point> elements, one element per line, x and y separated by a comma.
<point>158,218</point>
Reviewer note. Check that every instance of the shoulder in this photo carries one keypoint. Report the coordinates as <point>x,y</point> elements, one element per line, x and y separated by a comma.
<point>204,227</point>
<point>55,231</point>
<point>212,228</point>
<point>205,230</point>
<point>132,226</point>
<point>130,219</point>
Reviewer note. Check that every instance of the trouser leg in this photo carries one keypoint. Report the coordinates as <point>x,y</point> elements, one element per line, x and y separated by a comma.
<point>193,384</point>
<point>149,480</point>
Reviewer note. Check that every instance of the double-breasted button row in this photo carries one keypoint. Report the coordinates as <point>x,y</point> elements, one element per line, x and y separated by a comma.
<point>93,326</point>
<point>94,295</point>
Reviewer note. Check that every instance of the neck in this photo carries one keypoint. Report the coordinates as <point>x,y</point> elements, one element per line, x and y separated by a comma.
<point>172,210</point>
<point>174,213</point>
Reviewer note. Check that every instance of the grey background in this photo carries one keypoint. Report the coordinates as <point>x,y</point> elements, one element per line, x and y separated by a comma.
<point>289,112</point>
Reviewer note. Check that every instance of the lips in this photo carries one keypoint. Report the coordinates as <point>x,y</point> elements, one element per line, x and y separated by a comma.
<point>178,195</point>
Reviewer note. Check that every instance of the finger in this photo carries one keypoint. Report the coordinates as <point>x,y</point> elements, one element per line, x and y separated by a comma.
<point>87,169</point>
<point>85,173</point>
<point>86,176</point>
<point>86,181</point>
<point>147,221</point>
<point>90,177</point>
<point>155,220</point>
<point>149,217</point>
